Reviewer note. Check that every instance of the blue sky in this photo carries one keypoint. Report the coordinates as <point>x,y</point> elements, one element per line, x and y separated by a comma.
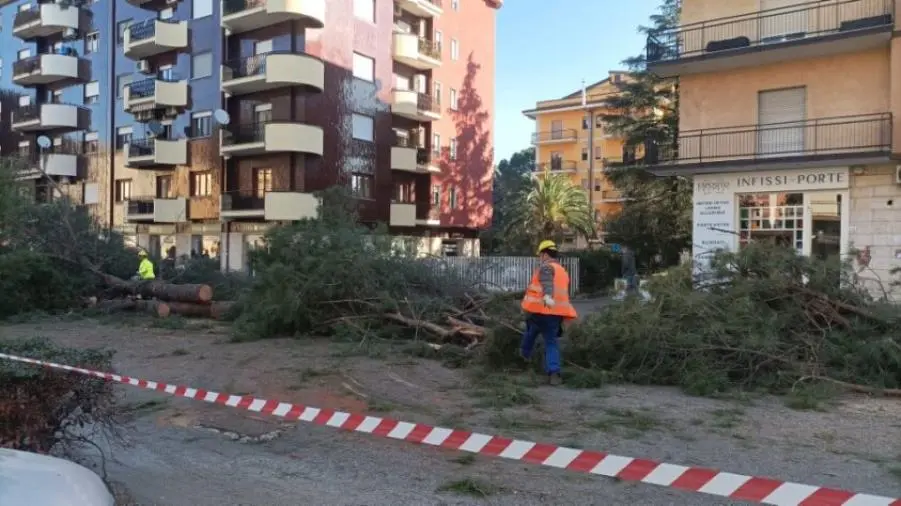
<point>545,49</point>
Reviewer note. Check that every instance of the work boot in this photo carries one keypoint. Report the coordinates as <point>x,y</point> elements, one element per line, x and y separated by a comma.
<point>554,379</point>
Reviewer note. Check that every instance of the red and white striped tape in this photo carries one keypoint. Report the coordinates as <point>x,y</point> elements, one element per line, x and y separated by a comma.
<point>695,479</point>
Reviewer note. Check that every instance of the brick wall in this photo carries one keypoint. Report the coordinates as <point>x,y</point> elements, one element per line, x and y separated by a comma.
<point>876,223</point>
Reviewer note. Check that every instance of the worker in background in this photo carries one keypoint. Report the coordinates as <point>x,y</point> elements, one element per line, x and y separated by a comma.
<point>145,268</point>
<point>547,307</point>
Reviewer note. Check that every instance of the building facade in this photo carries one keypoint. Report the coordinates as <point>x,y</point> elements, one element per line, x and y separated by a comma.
<point>571,138</point>
<point>789,117</point>
<point>198,124</point>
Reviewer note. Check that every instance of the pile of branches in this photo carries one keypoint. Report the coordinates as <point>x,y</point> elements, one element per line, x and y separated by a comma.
<point>333,276</point>
<point>766,318</point>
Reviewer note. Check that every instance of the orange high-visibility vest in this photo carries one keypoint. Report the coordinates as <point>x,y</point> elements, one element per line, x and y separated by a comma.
<point>533,302</point>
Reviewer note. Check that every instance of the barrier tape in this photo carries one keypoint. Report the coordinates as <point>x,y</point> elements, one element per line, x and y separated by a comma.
<point>694,479</point>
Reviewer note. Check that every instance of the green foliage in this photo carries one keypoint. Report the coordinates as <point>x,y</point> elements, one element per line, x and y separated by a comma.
<point>769,318</point>
<point>40,408</point>
<point>598,269</point>
<point>512,180</point>
<point>550,208</point>
<point>31,282</point>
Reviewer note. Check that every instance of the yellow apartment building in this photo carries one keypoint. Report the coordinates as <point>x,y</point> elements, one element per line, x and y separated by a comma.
<point>570,138</point>
<point>789,117</point>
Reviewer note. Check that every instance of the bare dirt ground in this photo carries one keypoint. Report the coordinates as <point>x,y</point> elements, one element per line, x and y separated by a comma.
<point>181,452</point>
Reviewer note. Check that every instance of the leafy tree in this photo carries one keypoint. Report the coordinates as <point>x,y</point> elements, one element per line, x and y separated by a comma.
<point>511,181</point>
<point>656,217</point>
<point>550,208</point>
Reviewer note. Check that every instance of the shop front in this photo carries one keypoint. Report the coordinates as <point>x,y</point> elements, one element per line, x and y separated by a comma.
<point>805,209</point>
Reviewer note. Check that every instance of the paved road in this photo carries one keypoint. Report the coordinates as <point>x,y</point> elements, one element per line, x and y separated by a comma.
<point>172,466</point>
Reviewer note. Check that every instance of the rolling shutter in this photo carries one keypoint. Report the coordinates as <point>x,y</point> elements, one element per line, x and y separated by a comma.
<point>780,119</point>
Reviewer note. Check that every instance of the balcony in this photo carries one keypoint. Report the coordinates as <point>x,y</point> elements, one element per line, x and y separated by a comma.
<point>417,52</point>
<point>415,106</point>
<point>408,157</point>
<point>156,93</point>
<point>153,5</point>
<point>846,140</point>
<point>271,137</point>
<point>57,161</point>
<point>805,30</point>
<point>555,136</point>
<point>55,118</point>
<point>273,70</point>
<point>156,153</point>
<point>403,214</point>
<point>270,206</point>
<point>421,8</point>
<point>611,196</point>
<point>557,166</point>
<point>58,69</point>
<point>154,36</point>
<point>51,19</point>
<point>430,219</point>
<point>244,15</point>
<point>157,210</point>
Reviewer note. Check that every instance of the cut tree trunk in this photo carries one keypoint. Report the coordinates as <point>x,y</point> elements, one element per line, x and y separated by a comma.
<point>115,305</point>
<point>161,290</point>
<point>154,307</point>
<point>216,310</point>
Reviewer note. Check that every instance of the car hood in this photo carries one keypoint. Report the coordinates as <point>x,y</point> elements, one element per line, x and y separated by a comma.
<point>27,479</point>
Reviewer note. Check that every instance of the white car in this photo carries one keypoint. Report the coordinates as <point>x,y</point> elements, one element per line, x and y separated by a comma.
<point>29,479</point>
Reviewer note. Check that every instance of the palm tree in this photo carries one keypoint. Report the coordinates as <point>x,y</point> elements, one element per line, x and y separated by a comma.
<point>550,207</point>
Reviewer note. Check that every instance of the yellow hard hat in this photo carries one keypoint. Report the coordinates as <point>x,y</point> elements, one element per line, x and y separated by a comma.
<point>546,244</point>
<point>142,253</point>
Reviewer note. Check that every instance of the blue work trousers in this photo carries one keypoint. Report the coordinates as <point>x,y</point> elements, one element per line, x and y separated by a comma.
<point>549,327</point>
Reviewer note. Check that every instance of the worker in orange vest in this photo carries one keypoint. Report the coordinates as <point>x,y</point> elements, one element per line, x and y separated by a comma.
<point>547,306</point>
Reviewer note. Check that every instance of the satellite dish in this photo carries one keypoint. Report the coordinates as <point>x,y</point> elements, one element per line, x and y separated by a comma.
<point>155,127</point>
<point>221,117</point>
<point>44,142</point>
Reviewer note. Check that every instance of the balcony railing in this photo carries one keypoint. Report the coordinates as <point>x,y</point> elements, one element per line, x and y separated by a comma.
<point>246,133</point>
<point>230,7</point>
<point>147,87</point>
<point>430,48</point>
<point>244,200</point>
<point>27,16</point>
<point>28,112</point>
<point>761,28</point>
<point>248,66</point>
<point>567,134</point>
<point>557,165</point>
<point>824,137</point>
<point>141,147</point>
<point>145,29</point>
<point>140,205</point>
<point>427,103</point>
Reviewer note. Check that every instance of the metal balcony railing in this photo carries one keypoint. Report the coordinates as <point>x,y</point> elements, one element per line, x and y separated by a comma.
<point>143,30</point>
<point>141,147</point>
<point>557,165</point>
<point>147,87</point>
<point>566,134</point>
<point>27,16</point>
<point>761,28</point>
<point>244,200</point>
<point>248,66</point>
<point>427,103</point>
<point>28,112</point>
<point>844,135</point>
<point>235,6</point>
<point>245,133</point>
<point>140,205</point>
<point>430,48</point>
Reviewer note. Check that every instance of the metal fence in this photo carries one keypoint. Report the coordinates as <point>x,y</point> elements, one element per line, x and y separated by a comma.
<point>502,274</point>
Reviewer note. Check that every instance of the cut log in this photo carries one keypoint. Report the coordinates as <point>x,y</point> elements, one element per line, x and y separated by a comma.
<point>161,290</point>
<point>216,310</point>
<point>114,305</point>
<point>154,307</point>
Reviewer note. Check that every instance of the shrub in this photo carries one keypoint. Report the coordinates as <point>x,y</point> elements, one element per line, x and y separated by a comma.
<point>39,407</point>
<point>31,282</point>
<point>598,269</point>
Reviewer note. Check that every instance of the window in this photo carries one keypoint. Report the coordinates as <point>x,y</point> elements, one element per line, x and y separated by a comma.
<point>262,182</point>
<point>584,154</point>
<point>92,42</point>
<point>364,67</point>
<point>24,149</point>
<point>452,152</point>
<point>455,49</point>
<point>439,37</point>
<point>163,187</point>
<point>201,184</point>
<point>403,193</point>
<point>585,122</point>
<point>56,97</point>
<point>599,121</point>
<point>201,124</point>
<point>167,13</point>
<point>361,185</point>
<point>365,10</point>
<point>92,92</point>
<point>123,136</point>
<point>363,127</point>
<point>121,27</point>
<point>452,198</point>
<point>121,82</point>
<point>262,113</point>
<point>437,96</point>
<point>436,145</point>
<point>24,7</point>
<point>262,46</point>
<point>202,8</point>
<point>436,195</point>
<point>23,53</point>
<point>201,65</point>
<point>556,160</point>
<point>453,99</point>
<point>24,100</point>
<point>598,153</point>
<point>91,142</point>
<point>455,5</point>
<point>123,190</point>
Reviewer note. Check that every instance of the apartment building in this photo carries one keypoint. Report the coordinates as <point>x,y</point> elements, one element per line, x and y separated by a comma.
<point>205,122</point>
<point>788,124</point>
<point>571,138</point>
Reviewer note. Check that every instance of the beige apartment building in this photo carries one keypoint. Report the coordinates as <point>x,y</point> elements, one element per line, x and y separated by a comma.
<point>789,117</point>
